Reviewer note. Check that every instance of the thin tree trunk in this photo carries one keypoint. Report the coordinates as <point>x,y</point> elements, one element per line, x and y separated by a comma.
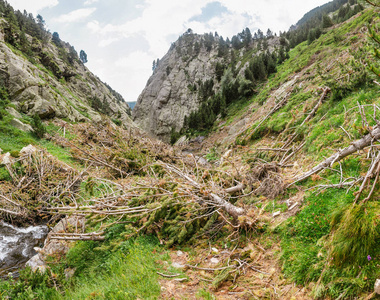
<point>337,156</point>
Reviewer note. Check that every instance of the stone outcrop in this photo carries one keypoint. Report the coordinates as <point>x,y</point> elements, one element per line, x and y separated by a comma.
<point>20,125</point>
<point>70,92</point>
<point>173,90</point>
<point>53,247</point>
<point>169,95</point>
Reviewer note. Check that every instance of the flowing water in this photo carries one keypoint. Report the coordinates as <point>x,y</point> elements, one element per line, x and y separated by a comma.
<point>16,245</point>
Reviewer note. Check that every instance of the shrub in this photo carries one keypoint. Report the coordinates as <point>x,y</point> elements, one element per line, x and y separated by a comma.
<point>38,127</point>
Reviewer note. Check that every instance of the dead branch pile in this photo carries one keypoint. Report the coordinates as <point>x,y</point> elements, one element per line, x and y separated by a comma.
<point>38,179</point>
<point>266,177</point>
<point>120,152</point>
<point>176,204</point>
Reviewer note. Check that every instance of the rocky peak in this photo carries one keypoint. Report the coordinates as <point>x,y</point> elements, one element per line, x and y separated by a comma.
<point>170,93</point>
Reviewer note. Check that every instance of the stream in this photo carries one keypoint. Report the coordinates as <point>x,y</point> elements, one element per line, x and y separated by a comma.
<point>16,246</point>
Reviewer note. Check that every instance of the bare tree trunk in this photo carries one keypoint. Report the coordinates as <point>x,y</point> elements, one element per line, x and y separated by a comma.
<point>235,189</point>
<point>224,204</point>
<point>229,208</point>
<point>314,110</point>
<point>355,146</point>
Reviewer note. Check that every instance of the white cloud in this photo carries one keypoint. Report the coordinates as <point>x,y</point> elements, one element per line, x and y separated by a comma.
<point>107,42</point>
<point>32,6</point>
<point>75,16</point>
<point>128,74</point>
<point>159,23</point>
<point>89,2</point>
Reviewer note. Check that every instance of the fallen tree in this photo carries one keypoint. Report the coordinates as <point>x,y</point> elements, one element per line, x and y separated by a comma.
<point>337,156</point>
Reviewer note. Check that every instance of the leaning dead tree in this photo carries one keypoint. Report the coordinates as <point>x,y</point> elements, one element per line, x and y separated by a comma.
<point>355,146</point>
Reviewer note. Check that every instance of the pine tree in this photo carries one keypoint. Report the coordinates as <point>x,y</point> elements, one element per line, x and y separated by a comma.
<point>269,33</point>
<point>55,39</point>
<point>247,37</point>
<point>326,21</point>
<point>154,65</point>
<point>83,56</point>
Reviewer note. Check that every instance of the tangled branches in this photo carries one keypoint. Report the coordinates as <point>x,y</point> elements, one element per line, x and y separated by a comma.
<point>38,179</point>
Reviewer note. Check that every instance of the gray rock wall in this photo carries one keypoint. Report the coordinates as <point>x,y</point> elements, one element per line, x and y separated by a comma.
<point>166,99</point>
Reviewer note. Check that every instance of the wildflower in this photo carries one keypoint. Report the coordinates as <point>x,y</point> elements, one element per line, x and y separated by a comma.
<point>369,257</point>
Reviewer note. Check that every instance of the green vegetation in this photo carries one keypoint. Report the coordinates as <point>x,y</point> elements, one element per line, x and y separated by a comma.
<point>128,272</point>
<point>38,127</point>
<point>330,245</point>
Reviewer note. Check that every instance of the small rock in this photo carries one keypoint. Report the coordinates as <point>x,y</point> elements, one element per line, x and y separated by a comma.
<point>202,161</point>
<point>277,213</point>
<point>6,159</point>
<point>177,265</point>
<point>215,250</point>
<point>28,150</point>
<point>377,286</point>
<point>179,253</point>
<point>214,260</point>
<point>37,262</point>
<point>69,273</point>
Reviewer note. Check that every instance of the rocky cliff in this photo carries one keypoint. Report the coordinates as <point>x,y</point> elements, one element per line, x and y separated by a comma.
<point>170,93</point>
<point>52,82</point>
<point>193,72</point>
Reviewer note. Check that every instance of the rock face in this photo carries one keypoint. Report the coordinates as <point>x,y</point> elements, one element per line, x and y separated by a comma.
<point>71,91</point>
<point>193,66</point>
<point>53,247</point>
<point>20,125</point>
<point>169,95</point>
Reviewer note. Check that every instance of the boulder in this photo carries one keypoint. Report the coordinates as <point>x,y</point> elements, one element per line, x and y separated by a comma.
<point>20,125</point>
<point>13,112</point>
<point>181,141</point>
<point>37,263</point>
<point>54,247</point>
<point>43,109</point>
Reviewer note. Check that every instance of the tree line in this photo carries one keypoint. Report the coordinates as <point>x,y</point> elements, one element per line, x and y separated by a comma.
<point>30,36</point>
<point>263,64</point>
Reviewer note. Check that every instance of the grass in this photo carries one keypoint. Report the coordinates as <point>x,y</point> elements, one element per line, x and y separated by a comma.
<point>330,229</point>
<point>130,272</point>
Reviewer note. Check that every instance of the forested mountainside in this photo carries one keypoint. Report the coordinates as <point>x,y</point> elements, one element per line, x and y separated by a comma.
<point>43,75</point>
<point>277,201</point>
<point>217,72</point>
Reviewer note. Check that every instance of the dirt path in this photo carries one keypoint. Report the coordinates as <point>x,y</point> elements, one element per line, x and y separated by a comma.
<point>263,281</point>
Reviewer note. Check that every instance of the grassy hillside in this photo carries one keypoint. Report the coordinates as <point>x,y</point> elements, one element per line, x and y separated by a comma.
<point>160,222</point>
<point>330,244</point>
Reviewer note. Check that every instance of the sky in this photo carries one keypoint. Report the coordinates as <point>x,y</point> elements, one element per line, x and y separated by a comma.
<point>123,37</point>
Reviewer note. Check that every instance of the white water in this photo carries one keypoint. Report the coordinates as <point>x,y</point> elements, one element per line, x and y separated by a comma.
<point>16,244</point>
